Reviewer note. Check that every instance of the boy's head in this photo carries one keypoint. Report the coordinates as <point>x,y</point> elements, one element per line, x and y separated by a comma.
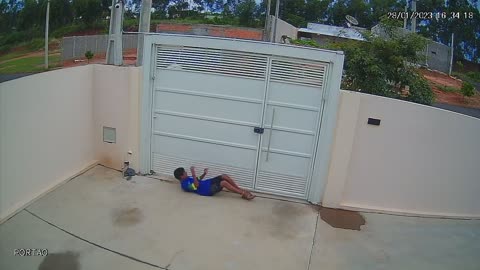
<point>180,173</point>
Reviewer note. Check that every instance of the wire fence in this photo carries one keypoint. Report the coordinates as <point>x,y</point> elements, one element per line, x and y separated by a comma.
<point>76,46</point>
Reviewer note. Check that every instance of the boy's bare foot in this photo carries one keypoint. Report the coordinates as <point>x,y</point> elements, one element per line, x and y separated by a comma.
<point>247,195</point>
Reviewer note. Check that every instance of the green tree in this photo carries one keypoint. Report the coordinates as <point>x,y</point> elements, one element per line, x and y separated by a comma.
<point>356,8</point>
<point>8,15</point>
<point>466,27</point>
<point>132,7</point>
<point>293,12</point>
<point>61,13</point>
<point>30,15</point>
<point>160,7</point>
<point>229,7</point>
<point>467,89</point>
<point>380,8</point>
<point>218,5</point>
<point>384,66</point>
<point>4,20</point>
<point>177,8</point>
<point>204,5</point>
<point>88,11</point>
<point>316,10</point>
<point>245,11</point>
<point>209,5</point>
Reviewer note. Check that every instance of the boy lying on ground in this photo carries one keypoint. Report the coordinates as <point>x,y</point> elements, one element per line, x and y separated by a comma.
<point>208,187</point>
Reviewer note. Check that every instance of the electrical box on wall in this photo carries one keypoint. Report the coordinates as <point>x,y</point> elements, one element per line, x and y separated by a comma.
<point>374,121</point>
<point>109,135</point>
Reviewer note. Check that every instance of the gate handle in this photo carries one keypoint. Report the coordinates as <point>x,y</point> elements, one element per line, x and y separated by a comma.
<point>270,134</point>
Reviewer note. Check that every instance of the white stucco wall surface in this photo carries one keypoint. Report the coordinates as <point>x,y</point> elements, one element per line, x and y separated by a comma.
<point>116,105</point>
<point>46,133</point>
<point>420,160</point>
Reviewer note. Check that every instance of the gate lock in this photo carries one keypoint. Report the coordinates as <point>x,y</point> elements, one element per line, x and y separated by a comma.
<point>258,130</point>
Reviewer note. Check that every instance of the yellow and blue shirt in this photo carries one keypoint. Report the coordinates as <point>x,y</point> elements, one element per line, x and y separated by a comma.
<point>202,189</point>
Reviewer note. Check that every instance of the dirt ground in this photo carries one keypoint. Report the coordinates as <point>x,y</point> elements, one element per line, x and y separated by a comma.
<point>437,79</point>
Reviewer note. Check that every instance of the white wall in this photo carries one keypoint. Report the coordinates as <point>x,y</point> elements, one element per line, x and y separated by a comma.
<point>51,128</point>
<point>116,105</point>
<point>46,133</point>
<point>420,160</point>
<point>283,28</point>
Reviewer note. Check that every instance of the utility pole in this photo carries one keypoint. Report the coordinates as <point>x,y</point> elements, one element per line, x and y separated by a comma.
<point>47,19</point>
<point>115,40</point>
<point>268,25</point>
<point>405,17</point>
<point>143,27</point>
<point>451,56</point>
<point>274,40</point>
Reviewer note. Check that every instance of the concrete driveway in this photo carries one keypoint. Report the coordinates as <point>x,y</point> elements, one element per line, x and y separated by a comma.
<point>100,221</point>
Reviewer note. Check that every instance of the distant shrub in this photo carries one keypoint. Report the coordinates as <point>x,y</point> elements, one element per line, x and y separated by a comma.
<point>474,75</point>
<point>5,48</point>
<point>447,88</point>
<point>78,27</point>
<point>62,31</point>
<point>17,37</point>
<point>36,44</point>
<point>226,20</point>
<point>420,91</point>
<point>131,24</point>
<point>89,56</point>
<point>468,89</point>
<point>459,65</point>
<point>384,67</point>
<point>308,42</point>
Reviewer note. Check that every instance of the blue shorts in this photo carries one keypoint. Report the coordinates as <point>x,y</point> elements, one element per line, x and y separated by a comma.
<point>210,187</point>
<point>215,185</point>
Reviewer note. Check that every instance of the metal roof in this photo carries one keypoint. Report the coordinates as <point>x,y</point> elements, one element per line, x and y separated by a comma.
<point>334,31</point>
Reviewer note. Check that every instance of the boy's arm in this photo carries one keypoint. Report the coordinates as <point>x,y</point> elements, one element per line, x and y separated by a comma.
<point>194,175</point>
<point>205,171</point>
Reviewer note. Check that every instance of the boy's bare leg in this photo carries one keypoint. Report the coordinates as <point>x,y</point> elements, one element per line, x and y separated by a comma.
<point>231,187</point>
<point>245,194</point>
<point>230,180</point>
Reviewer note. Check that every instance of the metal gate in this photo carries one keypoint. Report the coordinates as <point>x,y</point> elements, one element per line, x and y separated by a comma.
<point>293,110</point>
<point>254,115</point>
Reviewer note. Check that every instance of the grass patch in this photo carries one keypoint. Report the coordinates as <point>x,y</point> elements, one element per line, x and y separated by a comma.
<point>447,88</point>
<point>12,55</point>
<point>29,64</point>
<point>36,44</point>
<point>460,76</point>
<point>471,76</point>
<point>25,48</point>
<point>475,76</point>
